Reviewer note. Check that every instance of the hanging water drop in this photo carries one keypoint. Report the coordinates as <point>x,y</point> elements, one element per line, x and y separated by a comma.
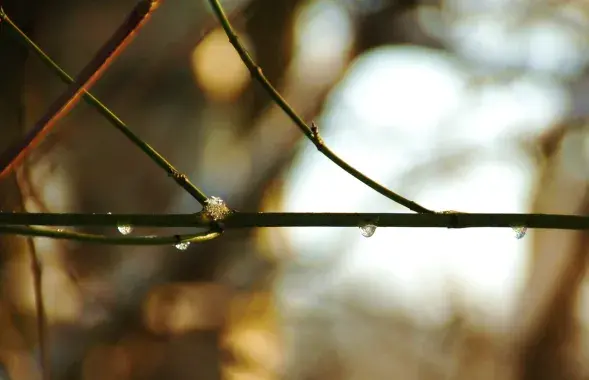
<point>125,229</point>
<point>367,230</point>
<point>520,231</point>
<point>183,246</point>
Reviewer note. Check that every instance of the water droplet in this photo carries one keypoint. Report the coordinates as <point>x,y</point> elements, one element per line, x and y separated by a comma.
<point>125,229</point>
<point>60,230</point>
<point>183,246</point>
<point>216,208</point>
<point>109,213</point>
<point>367,230</point>
<point>520,231</point>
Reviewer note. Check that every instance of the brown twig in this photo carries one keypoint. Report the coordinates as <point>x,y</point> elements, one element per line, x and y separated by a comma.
<point>9,221</point>
<point>311,133</point>
<point>41,318</point>
<point>87,77</point>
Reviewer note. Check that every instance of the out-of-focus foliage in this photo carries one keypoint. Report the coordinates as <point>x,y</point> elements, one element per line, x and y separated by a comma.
<point>464,104</point>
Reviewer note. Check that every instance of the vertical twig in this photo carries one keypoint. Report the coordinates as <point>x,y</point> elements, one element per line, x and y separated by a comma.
<point>37,272</point>
<point>12,75</point>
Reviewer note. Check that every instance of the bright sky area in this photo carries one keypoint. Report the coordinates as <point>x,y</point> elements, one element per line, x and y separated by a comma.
<point>411,118</point>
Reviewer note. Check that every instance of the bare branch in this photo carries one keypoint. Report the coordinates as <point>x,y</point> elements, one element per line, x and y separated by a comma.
<point>37,274</point>
<point>312,132</point>
<point>12,155</point>
<point>236,220</point>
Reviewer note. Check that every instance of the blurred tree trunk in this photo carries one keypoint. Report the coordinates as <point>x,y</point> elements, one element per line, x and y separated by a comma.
<point>381,27</point>
<point>548,336</point>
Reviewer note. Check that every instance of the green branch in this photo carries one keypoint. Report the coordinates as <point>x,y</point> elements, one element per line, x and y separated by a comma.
<point>252,219</point>
<point>112,240</point>
<point>312,132</point>
<point>180,179</point>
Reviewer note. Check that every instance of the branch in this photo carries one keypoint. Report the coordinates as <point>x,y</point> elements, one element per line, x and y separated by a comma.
<point>37,273</point>
<point>176,240</point>
<point>180,179</point>
<point>236,220</point>
<point>312,132</point>
<point>87,77</point>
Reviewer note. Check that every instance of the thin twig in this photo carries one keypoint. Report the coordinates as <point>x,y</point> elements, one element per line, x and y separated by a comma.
<point>37,276</point>
<point>87,77</point>
<point>78,87</point>
<point>41,318</point>
<point>182,180</point>
<point>112,240</point>
<point>312,132</point>
<point>237,220</point>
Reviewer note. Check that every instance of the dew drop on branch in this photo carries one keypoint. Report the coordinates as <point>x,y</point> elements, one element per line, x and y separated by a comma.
<point>183,246</point>
<point>367,230</point>
<point>216,208</point>
<point>125,229</point>
<point>520,231</point>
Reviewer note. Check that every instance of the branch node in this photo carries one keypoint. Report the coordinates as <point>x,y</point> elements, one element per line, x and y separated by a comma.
<point>316,137</point>
<point>178,177</point>
<point>256,72</point>
<point>453,222</point>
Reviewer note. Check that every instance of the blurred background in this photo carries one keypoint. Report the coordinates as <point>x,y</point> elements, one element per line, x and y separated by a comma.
<point>468,105</point>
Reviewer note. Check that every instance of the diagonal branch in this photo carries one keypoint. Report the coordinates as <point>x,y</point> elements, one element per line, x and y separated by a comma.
<point>180,179</point>
<point>87,77</point>
<point>78,87</point>
<point>312,132</point>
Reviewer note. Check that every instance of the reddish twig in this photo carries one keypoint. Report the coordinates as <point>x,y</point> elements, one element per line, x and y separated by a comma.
<point>87,77</point>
